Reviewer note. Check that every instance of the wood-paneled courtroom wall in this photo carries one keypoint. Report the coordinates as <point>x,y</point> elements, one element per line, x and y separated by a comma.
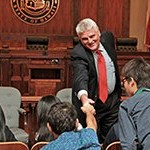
<point>39,72</point>
<point>109,14</point>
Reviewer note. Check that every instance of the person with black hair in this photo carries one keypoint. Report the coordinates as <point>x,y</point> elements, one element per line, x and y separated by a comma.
<point>43,107</point>
<point>5,133</point>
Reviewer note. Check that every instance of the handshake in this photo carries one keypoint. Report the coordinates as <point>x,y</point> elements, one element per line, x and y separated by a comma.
<point>88,108</point>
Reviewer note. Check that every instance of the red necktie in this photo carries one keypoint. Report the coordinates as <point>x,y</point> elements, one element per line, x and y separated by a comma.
<point>102,77</point>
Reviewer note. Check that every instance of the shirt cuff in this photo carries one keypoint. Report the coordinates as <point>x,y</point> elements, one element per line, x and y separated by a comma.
<point>81,92</point>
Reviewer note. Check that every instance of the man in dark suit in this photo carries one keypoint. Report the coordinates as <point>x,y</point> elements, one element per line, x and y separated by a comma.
<point>85,75</point>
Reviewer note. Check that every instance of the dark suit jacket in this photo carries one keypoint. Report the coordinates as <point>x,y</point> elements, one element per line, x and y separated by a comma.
<point>85,76</point>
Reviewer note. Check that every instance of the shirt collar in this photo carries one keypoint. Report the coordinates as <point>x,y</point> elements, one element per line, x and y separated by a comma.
<point>139,91</point>
<point>101,48</point>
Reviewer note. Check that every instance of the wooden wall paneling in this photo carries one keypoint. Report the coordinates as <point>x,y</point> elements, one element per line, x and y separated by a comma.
<point>9,25</point>
<point>25,77</point>
<point>100,14</point>
<point>88,9</point>
<point>5,71</point>
<point>44,87</point>
<point>15,78</point>
<point>110,14</point>
<point>1,24</point>
<point>85,9</point>
<point>5,16</point>
<point>12,26</point>
<point>19,76</point>
<point>15,41</point>
<point>126,18</point>
<point>61,24</point>
<point>76,14</point>
<point>60,42</point>
<point>113,16</point>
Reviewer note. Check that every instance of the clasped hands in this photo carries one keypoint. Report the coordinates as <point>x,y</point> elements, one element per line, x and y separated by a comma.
<point>88,108</point>
<point>87,104</point>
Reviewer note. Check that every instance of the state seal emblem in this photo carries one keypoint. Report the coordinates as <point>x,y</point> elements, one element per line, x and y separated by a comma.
<point>35,12</point>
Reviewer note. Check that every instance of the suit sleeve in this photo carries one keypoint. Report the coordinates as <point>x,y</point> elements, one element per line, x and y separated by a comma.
<point>80,73</point>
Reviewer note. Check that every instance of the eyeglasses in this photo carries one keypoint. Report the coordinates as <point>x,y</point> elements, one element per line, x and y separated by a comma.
<point>123,81</point>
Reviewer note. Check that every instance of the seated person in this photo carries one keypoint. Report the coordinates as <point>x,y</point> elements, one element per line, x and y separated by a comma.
<point>5,133</point>
<point>134,113</point>
<point>63,123</point>
<point>43,107</point>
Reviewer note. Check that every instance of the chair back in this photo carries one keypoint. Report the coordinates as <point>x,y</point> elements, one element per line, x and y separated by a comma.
<point>114,146</point>
<point>10,101</point>
<point>65,95</point>
<point>38,145</point>
<point>13,146</point>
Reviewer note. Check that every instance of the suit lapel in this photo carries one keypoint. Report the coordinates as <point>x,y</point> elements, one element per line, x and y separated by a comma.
<point>105,42</point>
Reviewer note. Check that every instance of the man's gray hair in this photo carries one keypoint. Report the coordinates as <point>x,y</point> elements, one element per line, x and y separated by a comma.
<point>86,24</point>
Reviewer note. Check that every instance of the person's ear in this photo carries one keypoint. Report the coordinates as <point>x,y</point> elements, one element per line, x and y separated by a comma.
<point>49,127</point>
<point>132,82</point>
<point>77,123</point>
<point>99,33</point>
<point>51,131</point>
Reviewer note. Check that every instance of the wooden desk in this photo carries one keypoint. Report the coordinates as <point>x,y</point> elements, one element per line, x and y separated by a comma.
<point>30,99</point>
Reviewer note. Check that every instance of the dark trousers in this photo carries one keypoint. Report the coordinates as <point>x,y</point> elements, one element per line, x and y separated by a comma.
<point>106,114</point>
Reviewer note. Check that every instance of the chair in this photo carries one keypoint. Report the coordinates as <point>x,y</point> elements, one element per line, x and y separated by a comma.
<point>38,145</point>
<point>65,95</point>
<point>126,44</point>
<point>114,146</point>
<point>10,101</point>
<point>13,146</point>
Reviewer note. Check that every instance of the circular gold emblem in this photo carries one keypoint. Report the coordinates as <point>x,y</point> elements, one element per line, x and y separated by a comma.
<point>35,12</point>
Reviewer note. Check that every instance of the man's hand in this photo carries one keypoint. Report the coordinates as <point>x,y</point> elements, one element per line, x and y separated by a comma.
<point>88,108</point>
<point>85,100</point>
